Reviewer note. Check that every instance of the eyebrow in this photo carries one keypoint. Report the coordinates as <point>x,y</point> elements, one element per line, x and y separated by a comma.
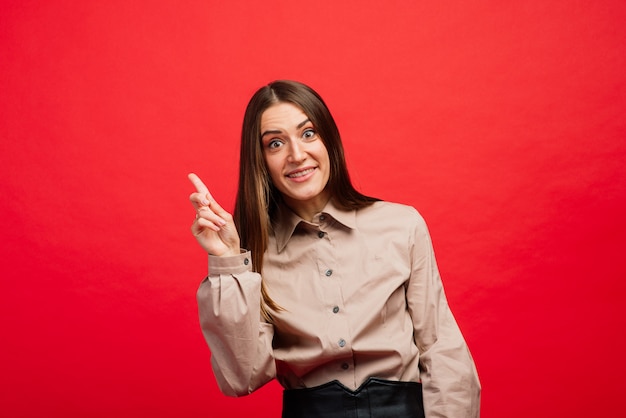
<point>300,125</point>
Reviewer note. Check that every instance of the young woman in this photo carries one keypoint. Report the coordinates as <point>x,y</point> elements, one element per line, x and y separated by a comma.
<point>335,294</point>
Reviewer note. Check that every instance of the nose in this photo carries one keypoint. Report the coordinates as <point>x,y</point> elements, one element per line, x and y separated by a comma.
<point>296,151</point>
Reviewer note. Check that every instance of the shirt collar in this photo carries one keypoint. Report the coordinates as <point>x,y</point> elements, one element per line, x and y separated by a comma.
<point>287,221</point>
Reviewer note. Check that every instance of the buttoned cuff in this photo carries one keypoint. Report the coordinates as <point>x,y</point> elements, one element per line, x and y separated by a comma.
<point>230,265</point>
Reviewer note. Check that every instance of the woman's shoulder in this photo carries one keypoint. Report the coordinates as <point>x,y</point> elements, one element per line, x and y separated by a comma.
<point>391,212</point>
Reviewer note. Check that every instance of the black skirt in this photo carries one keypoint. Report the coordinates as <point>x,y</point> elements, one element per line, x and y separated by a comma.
<point>376,398</point>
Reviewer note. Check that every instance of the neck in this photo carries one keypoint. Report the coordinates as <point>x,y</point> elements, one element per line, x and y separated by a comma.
<point>309,208</point>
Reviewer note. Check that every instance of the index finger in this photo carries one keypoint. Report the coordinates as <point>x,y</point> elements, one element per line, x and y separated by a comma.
<point>199,185</point>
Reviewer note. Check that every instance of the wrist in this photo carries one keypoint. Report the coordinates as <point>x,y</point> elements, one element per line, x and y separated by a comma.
<point>232,253</point>
<point>228,253</point>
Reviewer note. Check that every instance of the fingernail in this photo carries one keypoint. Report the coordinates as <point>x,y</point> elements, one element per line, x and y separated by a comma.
<point>222,222</point>
<point>205,202</point>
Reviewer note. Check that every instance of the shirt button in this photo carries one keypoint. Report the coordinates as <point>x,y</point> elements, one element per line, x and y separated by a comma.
<point>322,217</point>
<point>320,234</point>
<point>345,366</point>
<point>246,261</point>
<point>329,272</point>
<point>342,343</point>
<point>336,309</point>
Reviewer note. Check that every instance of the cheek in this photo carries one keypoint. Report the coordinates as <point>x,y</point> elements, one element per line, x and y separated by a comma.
<point>324,157</point>
<point>273,168</point>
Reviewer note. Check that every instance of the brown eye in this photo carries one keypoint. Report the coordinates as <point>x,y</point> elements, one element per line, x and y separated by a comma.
<point>274,143</point>
<point>308,134</point>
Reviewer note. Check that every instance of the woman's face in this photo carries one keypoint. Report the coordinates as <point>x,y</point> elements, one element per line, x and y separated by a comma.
<point>296,157</point>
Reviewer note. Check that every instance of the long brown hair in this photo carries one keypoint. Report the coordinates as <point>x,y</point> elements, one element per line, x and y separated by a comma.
<point>257,198</point>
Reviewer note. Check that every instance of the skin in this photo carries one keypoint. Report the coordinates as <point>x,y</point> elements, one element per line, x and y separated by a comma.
<point>213,227</point>
<point>296,159</point>
<point>298,164</point>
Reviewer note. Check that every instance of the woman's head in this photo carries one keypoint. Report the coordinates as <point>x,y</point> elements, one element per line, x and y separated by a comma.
<point>312,105</point>
<point>296,158</point>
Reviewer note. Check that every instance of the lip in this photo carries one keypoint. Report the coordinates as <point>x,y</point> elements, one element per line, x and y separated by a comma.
<point>300,175</point>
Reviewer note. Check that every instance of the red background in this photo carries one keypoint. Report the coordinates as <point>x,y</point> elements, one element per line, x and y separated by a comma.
<point>502,122</point>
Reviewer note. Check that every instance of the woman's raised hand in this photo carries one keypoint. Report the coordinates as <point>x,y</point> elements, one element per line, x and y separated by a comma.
<point>213,227</point>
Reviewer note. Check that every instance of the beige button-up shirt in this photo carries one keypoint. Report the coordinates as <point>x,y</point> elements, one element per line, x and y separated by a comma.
<point>361,297</point>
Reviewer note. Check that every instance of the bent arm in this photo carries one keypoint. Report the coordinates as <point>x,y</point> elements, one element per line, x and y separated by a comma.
<point>240,342</point>
<point>449,378</point>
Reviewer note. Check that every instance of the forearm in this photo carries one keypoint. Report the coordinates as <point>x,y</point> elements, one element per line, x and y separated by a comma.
<point>450,382</point>
<point>229,311</point>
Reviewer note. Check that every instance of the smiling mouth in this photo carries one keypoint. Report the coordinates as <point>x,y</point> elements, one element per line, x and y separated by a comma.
<point>301,173</point>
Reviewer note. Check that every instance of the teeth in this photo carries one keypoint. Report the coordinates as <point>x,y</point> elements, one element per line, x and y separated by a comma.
<point>301,173</point>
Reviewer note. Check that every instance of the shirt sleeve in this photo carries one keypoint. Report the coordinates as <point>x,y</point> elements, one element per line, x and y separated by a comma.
<point>229,307</point>
<point>450,383</point>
